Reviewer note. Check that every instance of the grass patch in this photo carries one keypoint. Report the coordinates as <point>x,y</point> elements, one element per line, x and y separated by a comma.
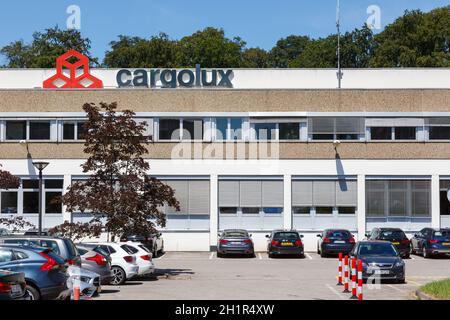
<point>438,289</point>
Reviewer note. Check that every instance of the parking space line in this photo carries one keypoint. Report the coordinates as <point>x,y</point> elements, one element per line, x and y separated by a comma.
<point>395,288</point>
<point>308,256</point>
<point>335,291</point>
<point>413,282</point>
<point>412,258</point>
<point>211,255</point>
<point>259,255</point>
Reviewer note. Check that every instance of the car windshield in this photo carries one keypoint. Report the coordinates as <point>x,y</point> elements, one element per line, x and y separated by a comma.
<point>143,248</point>
<point>238,234</point>
<point>377,249</point>
<point>443,233</point>
<point>102,251</point>
<point>392,234</point>
<point>129,249</point>
<point>342,234</point>
<point>71,247</point>
<point>286,236</point>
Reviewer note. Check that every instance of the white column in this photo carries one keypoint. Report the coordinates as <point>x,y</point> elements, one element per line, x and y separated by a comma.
<point>435,202</point>
<point>361,215</point>
<point>67,216</point>
<point>287,211</point>
<point>214,215</point>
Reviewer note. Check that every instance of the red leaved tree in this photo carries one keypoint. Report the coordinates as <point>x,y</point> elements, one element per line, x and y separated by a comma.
<point>118,192</point>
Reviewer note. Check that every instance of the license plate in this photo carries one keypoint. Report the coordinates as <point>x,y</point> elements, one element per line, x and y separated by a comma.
<point>286,244</point>
<point>339,241</point>
<point>16,289</point>
<point>381,271</point>
<point>235,242</point>
<point>446,243</point>
<point>395,243</point>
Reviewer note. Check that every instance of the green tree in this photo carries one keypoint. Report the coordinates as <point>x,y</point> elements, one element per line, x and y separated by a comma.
<point>416,39</point>
<point>255,58</point>
<point>45,48</point>
<point>210,48</point>
<point>319,53</point>
<point>134,52</point>
<point>287,50</point>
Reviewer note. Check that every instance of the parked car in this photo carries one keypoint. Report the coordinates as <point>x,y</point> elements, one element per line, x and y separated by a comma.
<point>430,242</point>
<point>96,262</point>
<point>12,285</point>
<point>123,262</point>
<point>44,270</point>
<point>88,281</point>
<point>334,241</point>
<point>143,257</point>
<point>35,232</point>
<point>235,241</point>
<point>153,241</point>
<point>61,246</point>
<point>285,242</point>
<point>380,260</point>
<point>396,236</point>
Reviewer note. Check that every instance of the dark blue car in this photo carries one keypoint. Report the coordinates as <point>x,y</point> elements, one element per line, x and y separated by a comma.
<point>431,242</point>
<point>45,271</point>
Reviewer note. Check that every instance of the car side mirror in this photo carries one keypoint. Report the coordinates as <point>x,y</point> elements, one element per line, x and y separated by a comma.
<point>319,236</point>
<point>301,236</point>
<point>250,235</point>
<point>367,235</point>
<point>267,236</point>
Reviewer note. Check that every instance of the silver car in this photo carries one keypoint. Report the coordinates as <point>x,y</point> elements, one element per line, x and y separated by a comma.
<point>87,281</point>
<point>96,262</point>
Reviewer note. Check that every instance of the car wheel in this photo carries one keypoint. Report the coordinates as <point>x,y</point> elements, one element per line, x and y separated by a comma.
<point>119,276</point>
<point>155,252</point>
<point>33,293</point>
<point>323,254</point>
<point>271,255</point>
<point>412,250</point>
<point>401,281</point>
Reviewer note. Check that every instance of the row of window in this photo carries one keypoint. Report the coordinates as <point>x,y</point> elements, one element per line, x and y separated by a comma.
<point>384,198</point>
<point>246,129</point>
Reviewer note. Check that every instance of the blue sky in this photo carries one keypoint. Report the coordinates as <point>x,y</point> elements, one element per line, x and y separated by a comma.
<point>259,22</point>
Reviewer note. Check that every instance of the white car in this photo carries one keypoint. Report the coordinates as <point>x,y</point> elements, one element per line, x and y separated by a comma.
<point>143,257</point>
<point>123,261</point>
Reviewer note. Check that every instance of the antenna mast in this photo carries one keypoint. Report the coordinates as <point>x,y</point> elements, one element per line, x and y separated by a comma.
<point>338,26</point>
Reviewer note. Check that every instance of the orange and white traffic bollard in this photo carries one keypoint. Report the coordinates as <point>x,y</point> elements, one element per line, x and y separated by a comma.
<point>76,293</point>
<point>360,280</point>
<point>354,296</point>
<point>340,270</point>
<point>346,275</point>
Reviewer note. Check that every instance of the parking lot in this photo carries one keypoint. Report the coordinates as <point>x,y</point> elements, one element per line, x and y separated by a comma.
<point>202,275</point>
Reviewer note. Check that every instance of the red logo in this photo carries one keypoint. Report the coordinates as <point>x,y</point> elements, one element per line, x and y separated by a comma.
<point>79,76</point>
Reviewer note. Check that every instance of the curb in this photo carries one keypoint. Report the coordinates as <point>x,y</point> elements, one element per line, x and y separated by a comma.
<point>423,296</point>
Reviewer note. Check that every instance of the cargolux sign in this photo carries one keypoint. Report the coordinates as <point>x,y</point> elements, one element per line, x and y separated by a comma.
<point>72,75</point>
<point>173,78</point>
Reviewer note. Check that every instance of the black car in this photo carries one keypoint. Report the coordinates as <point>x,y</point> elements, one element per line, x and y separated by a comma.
<point>431,242</point>
<point>380,260</point>
<point>12,286</point>
<point>152,241</point>
<point>285,242</point>
<point>334,241</point>
<point>396,236</point>
<point>235,241</point>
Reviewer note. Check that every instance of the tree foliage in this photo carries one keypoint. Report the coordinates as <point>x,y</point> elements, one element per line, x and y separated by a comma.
<point>118,192</point>
<point>45,48</point>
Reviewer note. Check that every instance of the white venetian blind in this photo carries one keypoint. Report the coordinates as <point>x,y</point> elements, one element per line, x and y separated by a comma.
<point>346,193</point>
<point>324,193</point>
<point>198,197</point>
<point>250,193</point>
<point>228,193</point>
<point>302,193</point>
<point>272,194</point>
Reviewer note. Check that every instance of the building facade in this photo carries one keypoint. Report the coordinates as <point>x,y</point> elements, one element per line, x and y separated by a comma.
<point>276,149</point>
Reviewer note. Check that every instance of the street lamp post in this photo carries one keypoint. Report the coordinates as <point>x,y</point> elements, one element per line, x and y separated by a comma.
<point>40,165</point>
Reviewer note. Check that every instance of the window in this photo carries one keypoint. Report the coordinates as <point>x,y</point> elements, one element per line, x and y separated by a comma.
<point>30,202</point>
<point>16,130</point>
<point>289,131</point>
<point>221,128</point>
<point>80,130</point>
<point>5,255</point>
<point>69,131</point>
<point>9,202</point>
<point>50,244</point>
<point>54,183</point>
<point>236,128</point>
<point>439,133</point>
<point>228,210</point>
<point>324,210</point>
<point>398,198</point>
<point>381,133</point>
<point>169,129</point>
<point>53,202</point>
<point>193,196</point>
<point>301,210</point>
<point>346,210</point>
<point>342,128</point>
<point>265,131</point>
<point>405,133</point>
<point>192,129</point>
<point>30,184</point>
<point>20,255</point>
<point>39,130</point>
<point>250,210</point>
<point>272,210</point>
